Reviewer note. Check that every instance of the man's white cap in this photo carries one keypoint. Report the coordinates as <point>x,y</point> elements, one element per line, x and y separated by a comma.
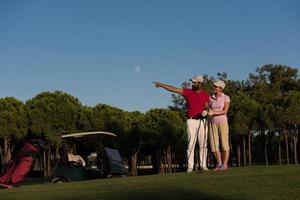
<point>219,83</point>
<point>197,79</point>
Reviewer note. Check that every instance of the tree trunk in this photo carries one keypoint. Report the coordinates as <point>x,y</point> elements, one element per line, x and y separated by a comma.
<point>279,150</point>
<point>1,161</point>
<point>133,161</point>
<point>249,150</point>
<point>231,156</point>
<point>133,164</point>
<point>162,168</point>
<point>56,154</point>
<point>169,159</point>
<point>47,161</point>
<point>298,149</point>
<point>1,157</point>
<point>238,151</point>
<point>7,150</point>
<point>231,152</point>
<point>244,151</point>
<point>181,162</point>
<point>166,161</point>
<point>287,149</point>
<point>295,138</point>
<point>56,160</point>
<point>266,150</point>
<point>156,162</point>
<point>44,163</point>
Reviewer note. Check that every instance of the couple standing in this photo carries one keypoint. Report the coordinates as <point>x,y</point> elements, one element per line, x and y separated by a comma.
<point>199,105</point>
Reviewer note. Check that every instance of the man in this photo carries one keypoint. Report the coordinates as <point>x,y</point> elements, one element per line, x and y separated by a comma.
<point>197,101</point>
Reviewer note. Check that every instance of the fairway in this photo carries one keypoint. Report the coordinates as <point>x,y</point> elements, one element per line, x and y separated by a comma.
<point>273,182</point>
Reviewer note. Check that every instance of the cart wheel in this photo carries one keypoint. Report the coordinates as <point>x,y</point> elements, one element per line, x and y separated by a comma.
<point>115,175</point>
<point>58,180</point>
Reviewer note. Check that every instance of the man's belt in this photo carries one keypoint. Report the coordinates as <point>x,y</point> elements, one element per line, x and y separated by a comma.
<point>198,116</point>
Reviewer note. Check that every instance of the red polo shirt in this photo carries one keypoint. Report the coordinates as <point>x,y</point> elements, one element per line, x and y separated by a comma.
<point>195,101</point>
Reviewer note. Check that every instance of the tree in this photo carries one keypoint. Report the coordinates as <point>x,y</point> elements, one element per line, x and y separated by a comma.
<point>50,115</point>
<point>86,118</point>
<point>291,117</point>
<point>132,139</point>
<point>165,130</point>
<point>127,125</point>
<point>13,124</point>
<point>243,121</point>
<point>268,87</point>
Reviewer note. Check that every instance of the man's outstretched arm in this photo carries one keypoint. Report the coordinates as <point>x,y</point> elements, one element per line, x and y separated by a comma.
<point>169,87</point>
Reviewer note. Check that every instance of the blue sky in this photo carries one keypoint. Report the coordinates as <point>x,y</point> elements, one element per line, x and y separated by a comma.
<point>109,51</point>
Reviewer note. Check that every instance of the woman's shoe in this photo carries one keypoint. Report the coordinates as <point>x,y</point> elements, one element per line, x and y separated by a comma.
<point>223,167</point>
<point>218,168</point>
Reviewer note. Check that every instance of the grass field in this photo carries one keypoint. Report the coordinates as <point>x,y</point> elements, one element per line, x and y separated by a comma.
<point>274,182</point>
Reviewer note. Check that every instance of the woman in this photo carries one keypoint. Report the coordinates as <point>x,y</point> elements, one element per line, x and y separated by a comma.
<point>219,105</point>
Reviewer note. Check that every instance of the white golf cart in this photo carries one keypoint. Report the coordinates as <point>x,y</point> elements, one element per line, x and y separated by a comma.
<point>88,155</point>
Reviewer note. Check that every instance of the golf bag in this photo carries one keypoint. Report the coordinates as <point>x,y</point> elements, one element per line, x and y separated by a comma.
<point>20,165</point>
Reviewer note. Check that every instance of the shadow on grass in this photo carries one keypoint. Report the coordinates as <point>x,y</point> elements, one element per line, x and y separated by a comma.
<point>169,193</point>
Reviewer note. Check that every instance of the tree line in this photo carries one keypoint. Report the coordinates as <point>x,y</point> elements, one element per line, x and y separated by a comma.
<point>264,120</point>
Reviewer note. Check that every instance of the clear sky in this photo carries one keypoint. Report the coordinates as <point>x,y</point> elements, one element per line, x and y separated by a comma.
<point>110,51</point>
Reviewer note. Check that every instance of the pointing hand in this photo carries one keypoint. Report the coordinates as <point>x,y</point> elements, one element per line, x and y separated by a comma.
<point>157,84</point>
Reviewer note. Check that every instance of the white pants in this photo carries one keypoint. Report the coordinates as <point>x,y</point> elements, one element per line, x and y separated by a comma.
<point>197,132</point>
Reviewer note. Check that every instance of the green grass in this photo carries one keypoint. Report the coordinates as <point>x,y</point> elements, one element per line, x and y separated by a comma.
<point>274,182</point>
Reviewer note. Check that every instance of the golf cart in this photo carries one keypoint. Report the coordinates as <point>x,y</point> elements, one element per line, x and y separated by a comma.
<point>86,156</point>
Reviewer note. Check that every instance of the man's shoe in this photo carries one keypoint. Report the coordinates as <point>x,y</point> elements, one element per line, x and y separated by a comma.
<point>189,170</point>
<point>204,169</point>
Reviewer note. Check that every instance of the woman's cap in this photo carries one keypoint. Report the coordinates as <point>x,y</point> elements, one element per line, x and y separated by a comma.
<point>219,83</point>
